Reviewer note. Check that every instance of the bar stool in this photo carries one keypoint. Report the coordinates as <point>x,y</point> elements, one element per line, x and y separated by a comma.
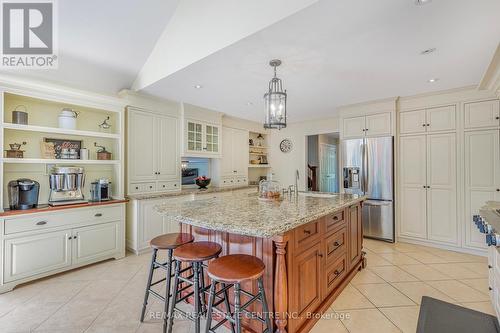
<point>167,242</point>
<point>194,254</point>
<point>230,271</point>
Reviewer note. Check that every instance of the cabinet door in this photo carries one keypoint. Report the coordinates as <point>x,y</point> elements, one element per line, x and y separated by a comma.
<point>482,114</point>
<point>413,182</point>
<point>227,152</point>
<point>151,223</point>
<point>96,241</point>
<point>442,220</point>
<point>194,136</point>
<point>307,282</point>
<point>212,139</point>
<point>482,178</point>
<point>168,148</point>
<point>354,127</point>
<point>378,124</point>
<point>142,145</point>
<point>412,122</point>
<point>441,119</point>
<point>32,255</point>
<point>355,234</point>
<point>240,152</point>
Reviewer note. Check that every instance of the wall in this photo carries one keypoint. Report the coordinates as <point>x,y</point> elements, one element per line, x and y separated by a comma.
<point>285,164</point>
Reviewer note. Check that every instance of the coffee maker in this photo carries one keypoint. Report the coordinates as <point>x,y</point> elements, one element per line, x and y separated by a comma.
<point>66,185</point>
<point>23,194</point>
<point>100,190</point>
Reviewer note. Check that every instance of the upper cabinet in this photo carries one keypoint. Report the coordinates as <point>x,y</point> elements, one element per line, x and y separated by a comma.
<point>367,126</point>
<point>202,138</point>
<point>482,114</point>
<point>153,152</point>
<point>232,168</point>
<point>436,119</point>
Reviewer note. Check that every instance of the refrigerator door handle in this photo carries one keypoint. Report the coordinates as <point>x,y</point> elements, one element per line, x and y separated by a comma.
<point>367,173</point>
<point>362,175</point>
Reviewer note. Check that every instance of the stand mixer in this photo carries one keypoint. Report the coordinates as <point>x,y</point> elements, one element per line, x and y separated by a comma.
<point>66,186</point>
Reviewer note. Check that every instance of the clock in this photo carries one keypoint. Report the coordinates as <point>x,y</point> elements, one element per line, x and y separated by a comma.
<point>286,145</point>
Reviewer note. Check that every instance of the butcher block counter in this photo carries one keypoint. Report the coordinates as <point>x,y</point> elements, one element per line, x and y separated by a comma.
<point>311,246</point>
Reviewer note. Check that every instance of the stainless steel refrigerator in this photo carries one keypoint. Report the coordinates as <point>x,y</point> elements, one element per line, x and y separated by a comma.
<point>368,169</point>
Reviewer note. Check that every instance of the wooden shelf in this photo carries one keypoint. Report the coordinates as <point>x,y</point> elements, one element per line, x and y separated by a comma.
<point>258,147</point>
<point>259,166</point>
<point>57,161</point>
<point>55,130</point>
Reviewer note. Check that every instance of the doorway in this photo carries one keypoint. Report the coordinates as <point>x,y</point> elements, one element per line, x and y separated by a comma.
<point>322,162</point>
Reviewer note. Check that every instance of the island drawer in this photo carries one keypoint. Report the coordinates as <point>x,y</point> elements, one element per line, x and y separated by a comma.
<point>334,274</point>
<point>62,218</point>
<point>332,221</point>
<point>307,235</point>
<point>335,245</point>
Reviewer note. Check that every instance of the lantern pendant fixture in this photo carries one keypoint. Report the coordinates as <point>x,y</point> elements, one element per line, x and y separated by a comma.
<point>275,101</point>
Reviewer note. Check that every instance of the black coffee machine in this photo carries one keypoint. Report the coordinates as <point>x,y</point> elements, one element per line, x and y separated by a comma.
<point>23,194</point>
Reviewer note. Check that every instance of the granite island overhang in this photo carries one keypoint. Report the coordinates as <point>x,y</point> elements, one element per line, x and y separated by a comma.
<point>311,245</point>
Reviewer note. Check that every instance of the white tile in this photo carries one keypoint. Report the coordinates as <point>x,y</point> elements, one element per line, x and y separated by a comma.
<point>404,317</point>
<point>424,272</point>
<point>393,274</point>
<point>459,291</point>
<point>366,276</point>
<point>351,298</point>
<point>382,295</point>
<point>397,258</point>
<point>455,271</point>
<point>368,321</point>
<point>416,290</point>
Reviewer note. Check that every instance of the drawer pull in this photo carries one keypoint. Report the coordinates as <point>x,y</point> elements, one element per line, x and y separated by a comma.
<point>337,272</point>
<point>490,289</point>
<point>137,187</point>
<point>337,244</point>
<point>490,267</point>
<point>320,255</point>
<point>98,215</point>
<point>41,223</point>
<point>308,232</point>
<point>335,218</point>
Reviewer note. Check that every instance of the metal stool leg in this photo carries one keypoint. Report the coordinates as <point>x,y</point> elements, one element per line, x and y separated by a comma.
<point>170,314</point>
<point>228,306</point>
<point>265,308</point>
<point>211,300</point>
<point>148,286</point>
<point>237,307</point>
<point>196,288</point>
<point>168,289</point>
<point>202,286</point>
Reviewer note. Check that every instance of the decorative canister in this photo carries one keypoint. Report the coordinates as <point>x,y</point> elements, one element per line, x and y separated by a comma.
<point>84,154</point>
<point>20,117</point>
<point>67,118</point>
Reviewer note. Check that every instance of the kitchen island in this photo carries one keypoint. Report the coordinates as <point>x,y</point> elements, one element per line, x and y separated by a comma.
<point>311,246</point>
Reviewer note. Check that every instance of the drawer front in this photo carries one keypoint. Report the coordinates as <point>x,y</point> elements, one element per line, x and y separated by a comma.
<point>240,181</point>
<point>334,274</point>
<point>227,181</point>
<point>307,234</point>
<point>336,245</point>
<point>142,187</point>
<point>61,218</point>
<point>168,186</point>
<point>334,221</point>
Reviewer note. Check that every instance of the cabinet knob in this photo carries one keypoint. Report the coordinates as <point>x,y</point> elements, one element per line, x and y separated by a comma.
<point>98,215</point>
<point>336,243</point>
<point>490,267</point>
<point>320,255</point>
<point>41,223</point>
<point>308,232</point>
<point>151,187</point>
<point>137,187</point>
<point>497,117</point>
<point>175,184</point>
<point>498,189</point>
<point>337,272</point>
<point>490,289</point>
<point>335,218</point>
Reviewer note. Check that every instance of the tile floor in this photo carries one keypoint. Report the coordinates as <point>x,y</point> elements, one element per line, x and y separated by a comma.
<point>385,297</point>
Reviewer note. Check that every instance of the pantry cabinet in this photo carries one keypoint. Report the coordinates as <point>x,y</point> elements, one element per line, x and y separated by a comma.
<point>232,168</point>
<point>482,178</point>
<point>436,119</point>
<point>367,126</point>
<point>40,244</point>
<point>428,182</point>
<point>202,138</point>
<point>482,114</point>
<point>153,152</point>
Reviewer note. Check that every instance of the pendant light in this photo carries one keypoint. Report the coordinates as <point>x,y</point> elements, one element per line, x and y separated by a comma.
<point>275,101</point>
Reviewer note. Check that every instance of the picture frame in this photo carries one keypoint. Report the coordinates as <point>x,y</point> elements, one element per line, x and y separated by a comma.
<point>61,144</point>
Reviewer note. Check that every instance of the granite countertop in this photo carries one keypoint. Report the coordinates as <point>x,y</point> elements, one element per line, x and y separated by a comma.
<point>187,191</point>
<point>490,213</point>
<point>243,213</point>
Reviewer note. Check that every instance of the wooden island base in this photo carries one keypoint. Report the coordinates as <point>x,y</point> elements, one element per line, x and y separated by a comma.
<point>306,268</point>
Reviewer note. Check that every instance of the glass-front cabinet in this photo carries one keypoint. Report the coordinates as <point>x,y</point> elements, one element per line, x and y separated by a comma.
<point>202,138</point>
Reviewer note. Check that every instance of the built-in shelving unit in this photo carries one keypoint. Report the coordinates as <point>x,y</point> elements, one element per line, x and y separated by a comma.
<point>258,151</point>
<point>43,107</point>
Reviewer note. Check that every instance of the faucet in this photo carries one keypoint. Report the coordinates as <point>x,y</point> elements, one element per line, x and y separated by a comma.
<point>297,182</point>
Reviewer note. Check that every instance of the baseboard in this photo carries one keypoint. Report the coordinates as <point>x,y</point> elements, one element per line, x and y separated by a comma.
<point>476,252</point>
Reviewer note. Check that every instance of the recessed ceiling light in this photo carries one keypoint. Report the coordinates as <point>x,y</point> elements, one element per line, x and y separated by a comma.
<point>198,86</point>
<point>424,52</point>
<point>249,103</point>
<point>422,2</point>
<point>433,80</point>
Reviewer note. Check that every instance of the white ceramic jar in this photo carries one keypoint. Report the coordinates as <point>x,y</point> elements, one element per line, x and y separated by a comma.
<point>67,118</point>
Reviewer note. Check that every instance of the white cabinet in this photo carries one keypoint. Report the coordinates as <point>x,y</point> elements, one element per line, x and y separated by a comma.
<point>371,125</point>
<point>438,119</point>
<point>201,138</point>
<point>482,178</point>
<point>428,187</point>
<point>153,151</point>
<point>31,255</point>
<point>35,250</point>
<point>482,114</point>
<point>232,168</point>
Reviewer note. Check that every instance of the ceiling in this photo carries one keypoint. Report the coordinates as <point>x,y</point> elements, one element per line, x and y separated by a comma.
<point>334,53</point>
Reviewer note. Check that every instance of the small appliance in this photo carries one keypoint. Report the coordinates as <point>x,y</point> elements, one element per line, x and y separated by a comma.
<point>100,190</point>
<point>66,185</point>
<point>67,118</point>
<point>23,194</point>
